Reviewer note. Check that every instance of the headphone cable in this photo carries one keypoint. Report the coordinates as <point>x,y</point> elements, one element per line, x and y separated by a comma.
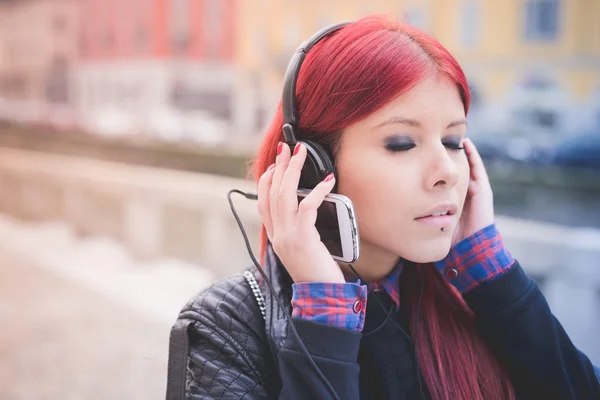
<point>312,363</point>
<point>416,323</point>
<point>254,196</point>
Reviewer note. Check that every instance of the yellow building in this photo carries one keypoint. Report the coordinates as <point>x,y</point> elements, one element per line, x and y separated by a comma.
<point>499,40</point>
<point>533,64</point>
<point>532,58</point>
<point>269,31</point>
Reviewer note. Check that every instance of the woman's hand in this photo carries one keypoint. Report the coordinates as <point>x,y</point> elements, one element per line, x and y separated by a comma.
<point>478,211</point>
<point>291,226</point>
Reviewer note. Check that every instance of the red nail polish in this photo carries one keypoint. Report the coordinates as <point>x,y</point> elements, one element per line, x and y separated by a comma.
<point>279,148</point>
<point>297,148</point>
<point>328,177</point>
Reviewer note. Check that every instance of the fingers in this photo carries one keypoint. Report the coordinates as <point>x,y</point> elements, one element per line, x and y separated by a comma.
<point>264,188</point>
<point>288,199</point>
<point>307,209</point>
<point>281,163</point>
<point>277,194</point>
<point>478,171</point>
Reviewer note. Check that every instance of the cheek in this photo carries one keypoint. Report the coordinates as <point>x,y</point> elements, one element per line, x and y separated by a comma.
<point>369,185</point>
<point>382,200</point>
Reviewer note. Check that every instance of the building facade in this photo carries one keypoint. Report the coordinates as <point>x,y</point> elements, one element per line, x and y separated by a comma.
<point>38,48</point>
<point>269,31</point>
<point>162,67</point>
<point>533,65</point>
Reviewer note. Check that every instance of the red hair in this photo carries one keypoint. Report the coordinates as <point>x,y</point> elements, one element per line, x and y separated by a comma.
<point>344,78</point>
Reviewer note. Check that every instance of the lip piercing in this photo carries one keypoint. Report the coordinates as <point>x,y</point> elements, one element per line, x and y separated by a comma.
<point>443,229</point>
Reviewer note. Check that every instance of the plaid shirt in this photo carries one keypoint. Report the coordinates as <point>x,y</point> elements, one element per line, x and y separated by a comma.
<point>471,262</point>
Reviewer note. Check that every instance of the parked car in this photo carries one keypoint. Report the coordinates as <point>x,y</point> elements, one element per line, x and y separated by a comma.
<point>582,151</point>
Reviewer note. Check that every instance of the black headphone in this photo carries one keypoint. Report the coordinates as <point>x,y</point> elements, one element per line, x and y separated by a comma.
<point>319,159</point>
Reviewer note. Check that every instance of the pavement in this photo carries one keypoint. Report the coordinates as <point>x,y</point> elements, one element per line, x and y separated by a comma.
<point>81,319</point>
<point>59,340</point>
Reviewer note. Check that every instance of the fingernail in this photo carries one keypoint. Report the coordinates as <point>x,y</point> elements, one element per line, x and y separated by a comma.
<point>279,148</point>
<point>271,167</point>
<point>297,148</point>
<point>328,177</point>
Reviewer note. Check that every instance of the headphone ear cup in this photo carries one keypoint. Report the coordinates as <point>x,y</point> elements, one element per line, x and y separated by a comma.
<point>318,164</point>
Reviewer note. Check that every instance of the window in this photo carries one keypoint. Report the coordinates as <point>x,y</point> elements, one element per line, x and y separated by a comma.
<point>140,38</point>
<point>57,81</point>
<point>59,23</point>
<point>470,25</point>
<point>82,44</point>
<point>180,25</point>
<point>139,17</point>
<point>541,20</point>
<point>108,38</point>
<point>213,27</point>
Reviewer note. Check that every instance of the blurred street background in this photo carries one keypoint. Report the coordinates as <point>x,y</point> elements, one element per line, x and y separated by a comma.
<point>123,124</point>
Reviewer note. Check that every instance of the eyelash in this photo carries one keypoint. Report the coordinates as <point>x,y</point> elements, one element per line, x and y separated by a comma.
<point>454,146</point>
<point>395,148</point>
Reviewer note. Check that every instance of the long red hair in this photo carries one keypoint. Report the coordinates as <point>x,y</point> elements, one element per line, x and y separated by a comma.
<point>344,78</point>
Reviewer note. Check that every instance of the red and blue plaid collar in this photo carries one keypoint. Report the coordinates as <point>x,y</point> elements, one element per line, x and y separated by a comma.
<point>389,284</point>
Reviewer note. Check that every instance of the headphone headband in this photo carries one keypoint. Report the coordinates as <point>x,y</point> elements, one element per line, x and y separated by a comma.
<point>290,113</point>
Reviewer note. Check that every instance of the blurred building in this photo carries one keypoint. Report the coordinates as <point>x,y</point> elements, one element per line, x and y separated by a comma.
<point>37,49</point>
<point>162,67</point>
<point>533,65</point>
<point>201,69</point>
<point>269,31</point>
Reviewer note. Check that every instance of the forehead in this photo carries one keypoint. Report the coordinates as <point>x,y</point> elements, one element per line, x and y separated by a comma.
<point>433,101</point>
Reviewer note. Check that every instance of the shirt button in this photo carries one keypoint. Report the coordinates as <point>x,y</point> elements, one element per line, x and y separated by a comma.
<point>358,306</point>
<point>451,273</point>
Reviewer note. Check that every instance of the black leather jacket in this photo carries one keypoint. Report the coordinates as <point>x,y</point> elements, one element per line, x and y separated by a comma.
<point>223,332</point>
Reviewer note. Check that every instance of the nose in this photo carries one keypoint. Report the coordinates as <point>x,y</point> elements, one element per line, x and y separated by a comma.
<point>442,170</point>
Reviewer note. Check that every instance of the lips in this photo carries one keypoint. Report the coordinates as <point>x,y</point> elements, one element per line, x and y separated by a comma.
<point>439,216</point>
<point>442,210</point>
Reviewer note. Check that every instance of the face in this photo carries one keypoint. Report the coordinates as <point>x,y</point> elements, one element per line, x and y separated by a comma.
<point>401,164</point>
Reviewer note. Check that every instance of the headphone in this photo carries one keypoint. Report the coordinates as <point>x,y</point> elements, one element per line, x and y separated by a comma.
<point>319,159</point>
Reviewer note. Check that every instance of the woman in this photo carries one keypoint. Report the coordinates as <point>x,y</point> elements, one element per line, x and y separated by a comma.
<point>441,309</point>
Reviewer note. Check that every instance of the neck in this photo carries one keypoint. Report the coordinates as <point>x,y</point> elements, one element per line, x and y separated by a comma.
<point>374,263</point>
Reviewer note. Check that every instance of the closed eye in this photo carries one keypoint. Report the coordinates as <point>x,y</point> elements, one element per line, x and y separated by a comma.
<point>397,147</point>
<point>396,143</point>
<point>454,146</point>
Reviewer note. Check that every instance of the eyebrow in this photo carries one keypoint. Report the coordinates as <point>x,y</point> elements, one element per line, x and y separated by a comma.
<point>416,124</point>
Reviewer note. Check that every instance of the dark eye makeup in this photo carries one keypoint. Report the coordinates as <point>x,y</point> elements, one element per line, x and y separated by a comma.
<point>395,143</point>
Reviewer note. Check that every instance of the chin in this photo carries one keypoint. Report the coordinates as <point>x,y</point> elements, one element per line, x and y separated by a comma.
<point>428,251</point>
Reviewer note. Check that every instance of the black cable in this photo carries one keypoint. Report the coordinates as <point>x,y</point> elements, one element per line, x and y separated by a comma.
<point>416,323</point>
<point>383,308</point>
<point>387,317</point>
<point>253,196</point>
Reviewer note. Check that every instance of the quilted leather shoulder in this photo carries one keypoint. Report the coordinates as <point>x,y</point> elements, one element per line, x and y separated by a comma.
<point>218,346</point>
<point>225,302</point>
